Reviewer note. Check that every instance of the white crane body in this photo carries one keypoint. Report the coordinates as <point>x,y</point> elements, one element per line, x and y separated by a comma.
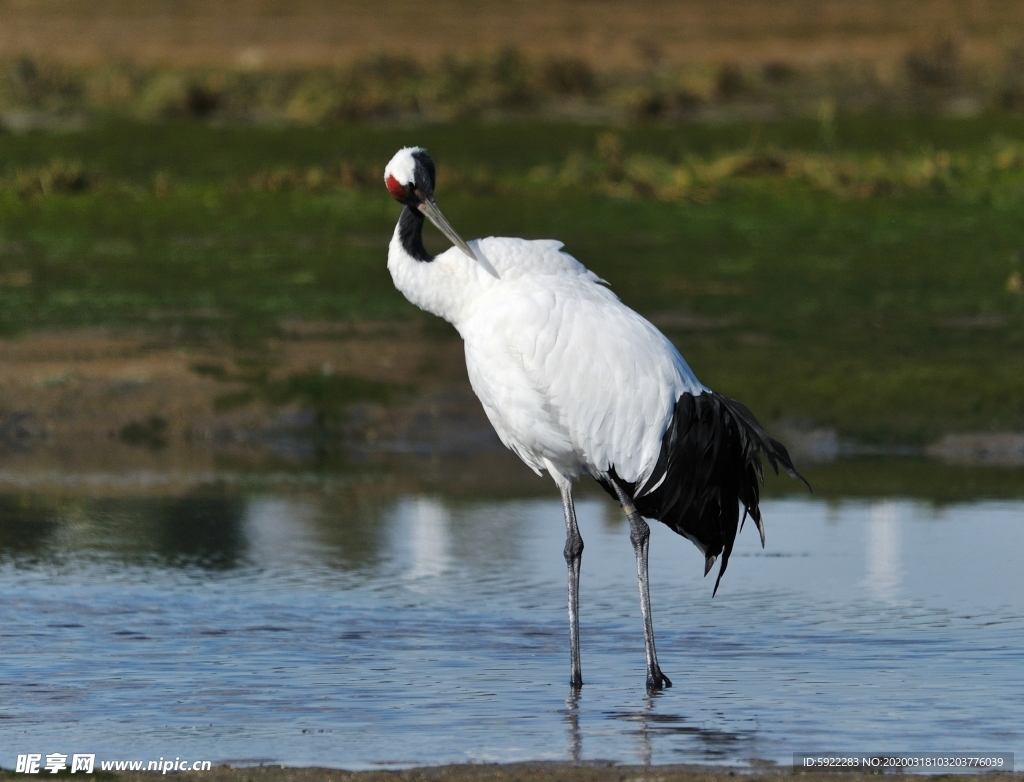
<point>575,382</point>
<point>553,356</point>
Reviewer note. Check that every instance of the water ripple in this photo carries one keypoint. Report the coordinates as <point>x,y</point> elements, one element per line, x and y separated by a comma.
<point>423,630</point>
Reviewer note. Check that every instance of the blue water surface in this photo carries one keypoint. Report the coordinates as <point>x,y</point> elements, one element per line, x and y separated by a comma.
<point>316,628</point>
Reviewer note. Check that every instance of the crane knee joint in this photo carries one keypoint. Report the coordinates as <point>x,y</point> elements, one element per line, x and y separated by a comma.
<point>639,531</point>
<point>573,549</point>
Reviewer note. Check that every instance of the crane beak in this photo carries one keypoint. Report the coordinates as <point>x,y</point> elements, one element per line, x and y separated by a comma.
<point>429,208</point>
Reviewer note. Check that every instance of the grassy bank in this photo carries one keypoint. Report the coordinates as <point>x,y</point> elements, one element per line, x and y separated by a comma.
<point>850,273</point>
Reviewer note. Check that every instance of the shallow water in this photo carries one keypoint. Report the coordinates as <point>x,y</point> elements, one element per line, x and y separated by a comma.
<point>320,629</point>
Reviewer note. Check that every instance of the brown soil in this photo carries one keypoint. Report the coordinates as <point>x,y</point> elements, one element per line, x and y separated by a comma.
<point>610,34</point>
<point>102,406</point>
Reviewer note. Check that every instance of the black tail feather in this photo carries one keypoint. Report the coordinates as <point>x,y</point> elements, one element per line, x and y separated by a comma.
<point>773,450</point>
<point>709,562</point>
<point>710,463</point>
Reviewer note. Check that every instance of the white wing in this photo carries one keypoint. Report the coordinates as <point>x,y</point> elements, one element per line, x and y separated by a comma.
<point>568,374</point>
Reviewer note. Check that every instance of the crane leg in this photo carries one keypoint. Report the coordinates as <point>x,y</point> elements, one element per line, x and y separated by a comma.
<point>639,536</point>
<point>573,558</point>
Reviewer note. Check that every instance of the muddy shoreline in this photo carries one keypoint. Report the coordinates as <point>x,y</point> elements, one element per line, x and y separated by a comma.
<point>139,412</point>
<point>98,400</point>
<point>538,772</point>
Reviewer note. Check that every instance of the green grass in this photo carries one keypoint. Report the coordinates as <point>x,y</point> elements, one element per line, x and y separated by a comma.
<point>886,310</point>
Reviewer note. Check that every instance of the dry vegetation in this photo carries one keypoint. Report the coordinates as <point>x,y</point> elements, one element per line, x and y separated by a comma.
<point>313,61</point>
<point>508,83</point>
<point>611,169</point>
<point>610,34</point>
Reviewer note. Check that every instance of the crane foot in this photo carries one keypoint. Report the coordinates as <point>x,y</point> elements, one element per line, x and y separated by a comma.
<point>657,681</point>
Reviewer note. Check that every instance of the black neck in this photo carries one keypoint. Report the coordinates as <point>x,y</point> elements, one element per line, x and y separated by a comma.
<point>410,233</point>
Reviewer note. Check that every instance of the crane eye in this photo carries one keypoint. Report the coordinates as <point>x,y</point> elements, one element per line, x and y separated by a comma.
<point>398,192</point>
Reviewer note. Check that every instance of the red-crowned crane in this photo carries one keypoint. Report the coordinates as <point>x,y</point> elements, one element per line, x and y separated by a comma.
<point>575,382</point>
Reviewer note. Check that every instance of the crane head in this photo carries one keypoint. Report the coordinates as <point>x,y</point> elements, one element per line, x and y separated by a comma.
<point>410,179</point>
<point>410,176</point>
